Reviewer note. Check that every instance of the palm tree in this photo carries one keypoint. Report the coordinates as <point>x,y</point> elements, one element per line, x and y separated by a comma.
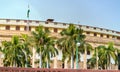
<point>84,47</point>
<point>105,54</point>
<point>13,54</point>
<point>62,45</point>
<point>50,51</point>
<point>39,36</point>
<point>43,43</point>
<point>4,50</point>
<point>118,58</point>
<point>27,47</point>
<point>93,61</point>
<point>71,36</point>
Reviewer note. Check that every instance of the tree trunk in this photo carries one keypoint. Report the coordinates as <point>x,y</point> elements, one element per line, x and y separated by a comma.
<point>72,61</point>
<point>85,58</point>
<point>110,67</point>
<point>26,59</point>
<point>96,59</point>
<point>14,65</point>
<point>109,62</point>
<point>40,61</point>
<point>106,63</point>
<point>47,64</point>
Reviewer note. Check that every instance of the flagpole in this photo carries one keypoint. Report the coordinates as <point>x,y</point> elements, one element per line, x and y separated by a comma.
<point>27,24</point>
<point>28,18</point>
<point>26,65</point>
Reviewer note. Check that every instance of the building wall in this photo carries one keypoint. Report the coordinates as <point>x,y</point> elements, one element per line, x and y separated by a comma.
<point>94,35</point>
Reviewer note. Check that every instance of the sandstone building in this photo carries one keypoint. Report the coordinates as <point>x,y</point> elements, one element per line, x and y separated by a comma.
<point>94,35</point>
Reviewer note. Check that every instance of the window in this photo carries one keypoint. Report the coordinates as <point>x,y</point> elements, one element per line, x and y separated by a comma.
<point>55,23</point>
<point>46,22</point>
<point>107,36</point>
<point>46,29</point>
<point>37,21</point>
<point>64,24</point>
<point>95,28</point>
<point>55,30</point>
<point>80,26</point>
<point>107,30</point>
<point>95,34</point>
<point>101,35</point>
<point>17,27</point>
<point>101,29</point>
<point>25,28</point>
<point>88,52</point>
<point>17,20</point>
<point>88,32</point>
<point>112,31</point>
<point>7,27</point>
<point>118,32</point>
<point>30,21</point>
<point>87,26</point>
<point>25,21</point>
<point>8,20</point>
<point>118,38</point>
<point>29,28</point>
<point>113,36</point>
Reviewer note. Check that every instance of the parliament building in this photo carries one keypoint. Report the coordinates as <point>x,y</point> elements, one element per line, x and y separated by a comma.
<point>94,35</point>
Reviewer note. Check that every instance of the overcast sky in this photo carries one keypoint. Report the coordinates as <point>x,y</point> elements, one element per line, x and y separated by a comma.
<point>98,13</point>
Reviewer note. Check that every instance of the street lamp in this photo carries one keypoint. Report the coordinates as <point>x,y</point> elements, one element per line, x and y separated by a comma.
<point>77,44</point>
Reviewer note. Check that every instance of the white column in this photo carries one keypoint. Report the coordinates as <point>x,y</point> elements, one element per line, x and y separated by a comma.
<point>85,59</point>
<point>66,64</point>
<point>33,58</point>
<point>55,62</point>
<point>75,65</point>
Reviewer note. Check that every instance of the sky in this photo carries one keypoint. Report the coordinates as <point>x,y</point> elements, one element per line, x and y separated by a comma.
<point>97,13</point>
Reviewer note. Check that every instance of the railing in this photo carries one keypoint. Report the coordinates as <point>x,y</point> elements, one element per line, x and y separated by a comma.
<point>11,69</point>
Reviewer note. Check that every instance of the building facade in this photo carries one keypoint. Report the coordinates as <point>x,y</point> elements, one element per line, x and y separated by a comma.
<point>94,35</point>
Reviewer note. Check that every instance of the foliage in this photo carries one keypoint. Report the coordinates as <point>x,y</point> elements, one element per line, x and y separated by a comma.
<point>67,43</point>
<point>44,45</point>
<point>14,52</point>
<point>104,56</point>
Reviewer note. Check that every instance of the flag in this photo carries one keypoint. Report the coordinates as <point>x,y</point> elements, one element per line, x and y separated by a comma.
<point>28,12</point>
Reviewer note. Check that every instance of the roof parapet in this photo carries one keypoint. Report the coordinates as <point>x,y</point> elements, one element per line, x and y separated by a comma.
<point>50,20</point>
